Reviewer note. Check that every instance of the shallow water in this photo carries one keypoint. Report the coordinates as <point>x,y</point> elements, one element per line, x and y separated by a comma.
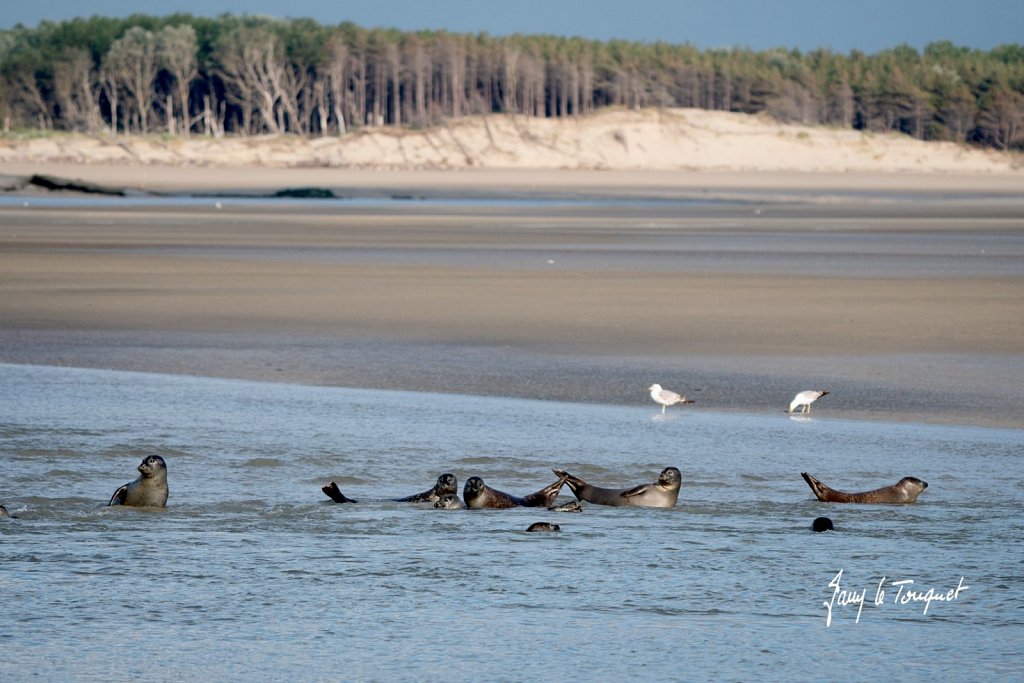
<point>252,571</point>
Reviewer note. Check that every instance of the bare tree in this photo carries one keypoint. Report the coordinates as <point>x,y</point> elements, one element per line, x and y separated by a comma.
<point>252,73</point>
<point>177,50</point>
<point>75,88</point>
<point>132,63</point>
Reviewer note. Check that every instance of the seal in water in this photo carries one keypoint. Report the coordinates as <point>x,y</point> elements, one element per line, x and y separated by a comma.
<point>906,490</point>
<point>479,495</point>
<point>5,514</point>
<point>571,506</point>
<point>449,501</point>
<point>446,483</point>
<point>822,524</point>
<point>543,526</point>
<point>661,494</point>
<point>149,490</point>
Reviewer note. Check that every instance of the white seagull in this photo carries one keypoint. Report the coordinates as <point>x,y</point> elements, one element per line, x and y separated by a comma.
<point>666,398</point>
<point>804,399</point>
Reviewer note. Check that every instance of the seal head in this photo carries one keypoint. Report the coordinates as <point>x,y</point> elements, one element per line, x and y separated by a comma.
<point>543,526</point>
<point>822,524</point>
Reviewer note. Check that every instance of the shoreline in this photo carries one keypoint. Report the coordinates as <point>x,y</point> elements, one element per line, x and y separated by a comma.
<point>901,306</point>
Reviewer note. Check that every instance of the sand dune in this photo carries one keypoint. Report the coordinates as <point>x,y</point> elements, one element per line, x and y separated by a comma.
<point>673,139</point>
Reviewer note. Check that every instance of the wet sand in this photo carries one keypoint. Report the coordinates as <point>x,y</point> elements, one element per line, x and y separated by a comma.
<point>906,300</point>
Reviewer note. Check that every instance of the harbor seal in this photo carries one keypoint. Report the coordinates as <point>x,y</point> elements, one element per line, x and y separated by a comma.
<point>543,526</point>
<point>449,501</point>
<point>571,506</point>
<point>479,495</point>
<point>661,494</point>
<point>446,483</point>
<point>149,489</point>
<point>4,514</point>
<point>906,490</point>
<point>822,524</point>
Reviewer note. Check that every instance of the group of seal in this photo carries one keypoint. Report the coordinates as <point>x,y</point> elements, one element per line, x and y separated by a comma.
<point>477,495</point>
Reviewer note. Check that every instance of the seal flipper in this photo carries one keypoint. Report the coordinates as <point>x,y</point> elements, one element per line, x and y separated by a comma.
<point>816,486</point>
<point>574,483</point>
<point>635,491</point>
<point>119,496</point>
<point>334,493</point>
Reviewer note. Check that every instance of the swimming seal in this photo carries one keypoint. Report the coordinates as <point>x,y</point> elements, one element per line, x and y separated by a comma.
<point>149,489</point>
<point>4,514</point>
<point>571,506</point>
<point>822,524</point>
<point>661,494</point>
<point>479,496</point>
<point>446,483</point>
<point>906,490</point>
<point>449,501</point>
<point>543,526</point>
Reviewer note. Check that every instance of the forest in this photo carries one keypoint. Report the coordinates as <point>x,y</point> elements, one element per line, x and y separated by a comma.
<point>246,75</point>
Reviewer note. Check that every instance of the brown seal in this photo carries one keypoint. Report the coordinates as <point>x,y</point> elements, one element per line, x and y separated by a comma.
<point>149,489</point>
<point>479,495</point>
<point>660,494</point>
<point>906,490</point>
<point>446,483</point>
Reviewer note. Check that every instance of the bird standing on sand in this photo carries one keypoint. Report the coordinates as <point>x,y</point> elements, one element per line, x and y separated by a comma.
<point>804,399</point>
<point>666,398</point>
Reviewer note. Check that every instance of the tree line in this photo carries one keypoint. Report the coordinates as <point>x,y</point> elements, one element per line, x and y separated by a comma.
<point>247,75</point>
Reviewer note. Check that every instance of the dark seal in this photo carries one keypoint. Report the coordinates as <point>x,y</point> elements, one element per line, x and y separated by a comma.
<point>479,496</point>
<point>149,489</point>
<point>543,526</point>
<point>822,524</point>
<point>906,490</point>
<point>446,483</point>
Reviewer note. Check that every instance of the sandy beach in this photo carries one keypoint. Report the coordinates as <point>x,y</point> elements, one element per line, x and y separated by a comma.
<point>902,293</point>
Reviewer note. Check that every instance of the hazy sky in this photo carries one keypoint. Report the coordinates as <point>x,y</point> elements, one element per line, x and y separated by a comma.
<point>841,25</point>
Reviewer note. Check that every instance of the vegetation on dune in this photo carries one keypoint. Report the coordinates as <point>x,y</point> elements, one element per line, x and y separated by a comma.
<point>190,75</point>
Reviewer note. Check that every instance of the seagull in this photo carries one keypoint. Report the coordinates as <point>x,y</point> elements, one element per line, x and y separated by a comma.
<point>666,398</point>
<point>804,399</point>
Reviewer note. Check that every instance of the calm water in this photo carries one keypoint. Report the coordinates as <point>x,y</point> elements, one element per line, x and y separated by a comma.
<point>252,571</point>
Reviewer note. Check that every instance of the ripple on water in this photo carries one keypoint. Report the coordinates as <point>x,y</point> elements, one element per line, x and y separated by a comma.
<point>249,550</point>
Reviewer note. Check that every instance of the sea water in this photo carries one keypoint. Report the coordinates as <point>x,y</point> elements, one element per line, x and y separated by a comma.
<point>252,573</point>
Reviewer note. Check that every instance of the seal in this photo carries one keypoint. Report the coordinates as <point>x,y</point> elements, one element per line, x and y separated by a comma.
<point>4,514</point>
<point>479,496</point>
<point>449,501</point>
<point>822,524</point>
<point>661,494</point>
<point>149,489</point>
<point>543,526</point>
<point>906,490</point>
<point>571,506</point>
<point>446,483</point>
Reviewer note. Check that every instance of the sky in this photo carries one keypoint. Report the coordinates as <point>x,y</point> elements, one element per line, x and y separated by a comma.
<point>838,25</point>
